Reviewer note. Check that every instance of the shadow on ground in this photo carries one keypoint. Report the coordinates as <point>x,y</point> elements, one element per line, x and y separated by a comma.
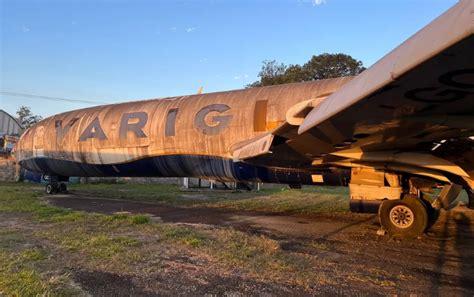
<point>437,263</point>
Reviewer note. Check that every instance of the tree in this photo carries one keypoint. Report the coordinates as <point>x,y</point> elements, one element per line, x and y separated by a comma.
<point>272,73</point>
<point>332,65</point>
<point>26,117</point>
<point>318,67</point>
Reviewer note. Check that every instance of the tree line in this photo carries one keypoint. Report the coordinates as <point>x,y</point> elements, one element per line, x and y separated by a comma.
<point>318,67</point>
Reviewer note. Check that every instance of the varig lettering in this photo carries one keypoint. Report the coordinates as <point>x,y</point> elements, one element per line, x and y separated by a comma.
<point>133,122</point>
<point>209,120</point>
<point>94,130</point>
<point>218,123</point>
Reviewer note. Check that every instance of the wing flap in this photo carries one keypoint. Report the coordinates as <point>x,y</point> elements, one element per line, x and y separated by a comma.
<point>254,148</point>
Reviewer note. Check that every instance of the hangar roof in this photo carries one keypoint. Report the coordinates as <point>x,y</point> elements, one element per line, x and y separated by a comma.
<point>8,124</point>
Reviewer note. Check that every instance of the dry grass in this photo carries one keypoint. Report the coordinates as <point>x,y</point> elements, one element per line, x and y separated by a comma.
<point>126,244</point>
<point>21,274</point>
<point>309,200</point>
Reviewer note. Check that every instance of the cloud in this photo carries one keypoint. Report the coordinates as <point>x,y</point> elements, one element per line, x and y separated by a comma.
<point>173,29</point>
<point>190,29</point>
<point>237,77</point>
<point>313,2</point>
<point>203,60</point>
<point>25,29</point>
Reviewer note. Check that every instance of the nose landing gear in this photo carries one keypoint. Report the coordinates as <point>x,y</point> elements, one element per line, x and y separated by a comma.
<point>53,188</point>
<point>55,184</point>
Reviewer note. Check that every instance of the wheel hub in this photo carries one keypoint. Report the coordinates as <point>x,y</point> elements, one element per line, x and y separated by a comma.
<point>401,216</point>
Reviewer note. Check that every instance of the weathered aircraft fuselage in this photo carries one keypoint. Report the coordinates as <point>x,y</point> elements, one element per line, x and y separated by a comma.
<point>180,136</point>
<point>394,131</point>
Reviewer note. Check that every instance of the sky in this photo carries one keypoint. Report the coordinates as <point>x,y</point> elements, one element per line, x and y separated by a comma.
<point>108,51</point>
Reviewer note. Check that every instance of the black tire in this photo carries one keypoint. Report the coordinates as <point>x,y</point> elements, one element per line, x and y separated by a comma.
<point>62,188</point>
<point>407,217</point>
<point>470,196</point>
<point>50,189</point>
<point>433,213</point>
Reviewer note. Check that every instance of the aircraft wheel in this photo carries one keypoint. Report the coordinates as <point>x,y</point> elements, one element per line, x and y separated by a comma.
<point>433,213</point>
<point>470,196</point>
<point>62,187</point>
<point>50,189</point>
<point>407,217</point>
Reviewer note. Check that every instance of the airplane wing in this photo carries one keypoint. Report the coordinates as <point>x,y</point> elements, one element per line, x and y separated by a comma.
<point>413,109</point>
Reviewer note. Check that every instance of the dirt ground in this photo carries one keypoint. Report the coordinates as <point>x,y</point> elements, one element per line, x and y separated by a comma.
<point>360,262</point>
<point>157,240</point>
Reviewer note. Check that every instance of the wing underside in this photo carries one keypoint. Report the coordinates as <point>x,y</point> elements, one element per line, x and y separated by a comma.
<point>413,110</point>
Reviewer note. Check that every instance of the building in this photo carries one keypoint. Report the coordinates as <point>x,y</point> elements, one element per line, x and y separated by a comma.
<point>8,124</point>
<point>10,131</point>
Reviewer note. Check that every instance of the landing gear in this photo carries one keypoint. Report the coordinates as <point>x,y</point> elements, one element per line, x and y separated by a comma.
<point>405,207</point>
<point>55,184</point>
<point>407,217</point>
<point>433,213</point>
<point>470,196</point>
<point>62,187</point>
<point>51,188</point>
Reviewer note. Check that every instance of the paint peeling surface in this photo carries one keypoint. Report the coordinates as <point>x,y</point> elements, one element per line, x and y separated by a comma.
<point>412,111</point>
<point>187,129</point>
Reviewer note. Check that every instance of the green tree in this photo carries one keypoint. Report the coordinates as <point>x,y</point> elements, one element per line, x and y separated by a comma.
<point>318,67</point>
<point>26,117</point>
<point>271,73</point>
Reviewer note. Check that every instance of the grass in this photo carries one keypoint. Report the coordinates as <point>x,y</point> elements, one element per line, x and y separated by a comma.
<point>123,243</point>
<point>34,254</point>
<point>94,236</point>
<point>309,200</point>
<point>20,276</point>
<point>20,269</point>
<point>140,219</point>
<point>150,192</point>
<point>101,246</point>
<point>15,200</point>
<point>183,234</point>
<point>262,258</point>
<point>24,282</point>
<point>10,239</point>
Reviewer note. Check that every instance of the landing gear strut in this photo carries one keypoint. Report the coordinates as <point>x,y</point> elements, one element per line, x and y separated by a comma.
<point>402,206</point>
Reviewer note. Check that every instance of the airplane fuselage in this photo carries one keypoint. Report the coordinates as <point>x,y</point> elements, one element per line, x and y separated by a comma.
<point>180,136</point>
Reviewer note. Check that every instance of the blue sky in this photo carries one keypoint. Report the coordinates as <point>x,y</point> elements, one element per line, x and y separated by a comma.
<point>114,51</point>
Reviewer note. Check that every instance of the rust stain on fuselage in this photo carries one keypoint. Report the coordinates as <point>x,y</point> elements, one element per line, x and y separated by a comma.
<point>204,124</point>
